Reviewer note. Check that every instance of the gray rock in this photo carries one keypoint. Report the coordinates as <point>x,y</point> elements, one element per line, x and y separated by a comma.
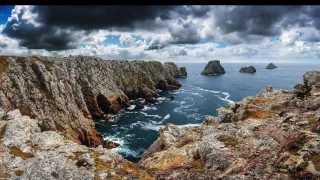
<point>249,69</point>
<point>213,68</point>
<point>271,66</point>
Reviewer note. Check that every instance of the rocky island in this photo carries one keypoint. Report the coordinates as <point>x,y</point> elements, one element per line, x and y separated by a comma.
<point>249,69</point>
<point>213,68</point>
<point>46,130</point>
<point>271,66</point>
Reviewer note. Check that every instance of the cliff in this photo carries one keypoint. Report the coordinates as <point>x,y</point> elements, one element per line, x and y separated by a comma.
<point>66,94</point>
<point>274,135</point>
<point>213,67</point>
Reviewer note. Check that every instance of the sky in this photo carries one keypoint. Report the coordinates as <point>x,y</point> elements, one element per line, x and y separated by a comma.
<point>164,33</point>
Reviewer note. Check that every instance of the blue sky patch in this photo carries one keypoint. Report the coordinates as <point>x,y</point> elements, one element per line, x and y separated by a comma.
<point>5,12</point>
<point>112,39</point>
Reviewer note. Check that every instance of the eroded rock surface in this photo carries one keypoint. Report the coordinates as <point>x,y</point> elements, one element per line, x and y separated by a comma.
<point>26,152</point>
<point>274,135</point>
<point>66,94</point>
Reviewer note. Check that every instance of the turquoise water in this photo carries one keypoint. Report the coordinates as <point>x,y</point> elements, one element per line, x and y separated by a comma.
<point>200,95</point>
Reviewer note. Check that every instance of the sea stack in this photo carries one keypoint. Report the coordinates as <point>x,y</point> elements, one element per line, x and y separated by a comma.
<point>249,69</point>
<point>271,66</point>
<point>213,68</point>
<point>183,71</point>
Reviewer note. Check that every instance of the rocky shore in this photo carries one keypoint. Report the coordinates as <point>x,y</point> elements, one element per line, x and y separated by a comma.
<point>65,94</point>
<point>274,135</point>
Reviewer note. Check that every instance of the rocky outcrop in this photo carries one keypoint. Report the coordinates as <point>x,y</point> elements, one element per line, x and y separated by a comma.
<point>275,134</point>
<point>26,152</point>
<point>213,68</point>
<point>66,94</point>
<point>271,66</point>
<point>174,70</point>
<point>249,69</point>
<point>183,71</point>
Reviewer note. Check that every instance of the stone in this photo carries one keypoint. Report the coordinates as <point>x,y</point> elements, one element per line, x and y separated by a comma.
<point>109,144</point>
<point>171,98</point>
<point>213,68</point>
<point>271,66</point>
<point>139,107</point>
<point>249,69</point>
<point>151,100</point>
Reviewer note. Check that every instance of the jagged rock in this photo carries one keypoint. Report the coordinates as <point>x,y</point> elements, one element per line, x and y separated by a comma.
<point>249,69</point>
<point>151,100</point>
<point>65,94</point>
<point>173,69</point>
<point>213,68</point>
<point>139,106</point>
<point>183,71</point>
<point>109,144</point>
<point>171,98</point>
<point>271,66</point>
<point>28,153</point>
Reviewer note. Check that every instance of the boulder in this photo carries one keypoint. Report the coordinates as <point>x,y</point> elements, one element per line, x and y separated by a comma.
<point>139,106</point>
<point>271,66</point>
<point>110,144</point>
<point>249,69</point>
<point>151,100</point>
<point>213,68</point>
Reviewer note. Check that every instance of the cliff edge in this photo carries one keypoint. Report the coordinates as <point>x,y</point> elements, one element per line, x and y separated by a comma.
<point>65,94</point>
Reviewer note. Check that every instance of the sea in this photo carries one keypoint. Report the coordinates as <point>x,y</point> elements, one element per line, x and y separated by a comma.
<point>199,96</point>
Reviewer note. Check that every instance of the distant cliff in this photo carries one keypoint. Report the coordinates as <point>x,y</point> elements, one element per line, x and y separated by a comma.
<point>65,94</point>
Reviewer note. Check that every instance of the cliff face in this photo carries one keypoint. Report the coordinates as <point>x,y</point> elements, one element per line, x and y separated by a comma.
<point>65,94</point>
<point>275,135</point>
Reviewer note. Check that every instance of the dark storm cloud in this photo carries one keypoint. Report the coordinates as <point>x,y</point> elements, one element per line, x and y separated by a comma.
<point>255,20</point>
<point>99,17</point>
<point>60,26</point>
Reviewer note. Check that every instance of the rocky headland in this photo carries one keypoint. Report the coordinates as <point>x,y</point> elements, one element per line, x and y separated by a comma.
<point>274,135</point>
<point>271,66</point>
<point>66,94</point>
<point>213,68</point>
<point>249,69</point>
